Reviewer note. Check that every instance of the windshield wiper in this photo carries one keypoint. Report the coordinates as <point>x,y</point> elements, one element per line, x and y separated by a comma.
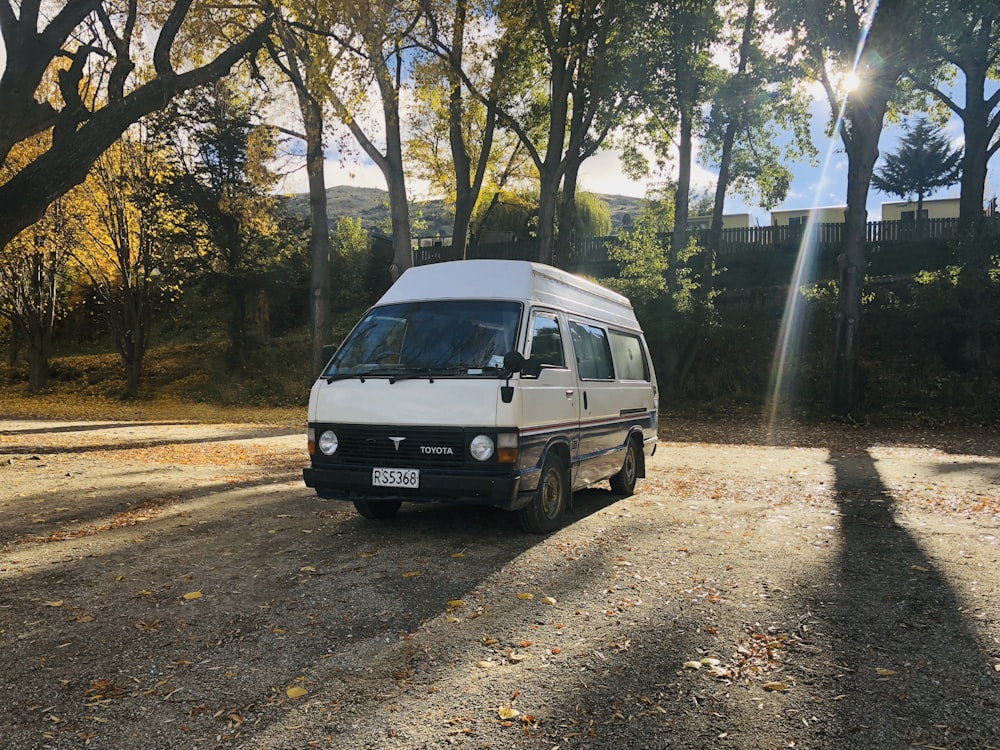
<point>410,373</point>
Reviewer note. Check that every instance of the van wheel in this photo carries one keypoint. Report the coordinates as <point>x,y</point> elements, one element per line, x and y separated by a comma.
<point>623,483</point>
<point>377,511</point>
<point>544,513</point>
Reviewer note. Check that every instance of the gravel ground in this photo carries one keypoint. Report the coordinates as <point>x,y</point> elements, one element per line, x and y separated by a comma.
<point>174,585</point>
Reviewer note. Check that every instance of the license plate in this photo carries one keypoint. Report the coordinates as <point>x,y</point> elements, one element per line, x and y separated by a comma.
<point>395,477</point>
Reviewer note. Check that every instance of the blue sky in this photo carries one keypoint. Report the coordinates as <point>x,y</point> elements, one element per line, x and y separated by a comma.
<point>812,186</point>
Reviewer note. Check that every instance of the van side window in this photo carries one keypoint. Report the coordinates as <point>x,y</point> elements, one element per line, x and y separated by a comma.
<point>630,359</point>
<point>593,355</point>
<point>546,341</point>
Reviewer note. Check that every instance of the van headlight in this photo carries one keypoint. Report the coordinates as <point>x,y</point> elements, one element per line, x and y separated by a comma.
<point>482,447</point>
<point>328,442</point>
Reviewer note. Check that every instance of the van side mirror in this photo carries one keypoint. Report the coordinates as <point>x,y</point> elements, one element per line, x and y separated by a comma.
<point>532,368</point>
<point>328,351</point>
<point>513,362</point>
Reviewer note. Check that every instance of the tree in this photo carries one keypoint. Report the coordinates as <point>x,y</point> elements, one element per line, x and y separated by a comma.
<point>672,317</point>
<point>121,245</point>
<point>965,36</point>
<point>562,110</point>
<point>75,75</point>
<point>369,44</point>
<point>222,185</point>
<point>592,216</point>
<point>877,44</point>
<point>675,80</point>
<point>924,162</point>
<point>446,112</point>
<point>753,102</point>
<point>32,268</point>
<point>295,55</point>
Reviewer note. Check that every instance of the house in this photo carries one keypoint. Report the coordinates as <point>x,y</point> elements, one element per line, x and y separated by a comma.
<point>794,217</point>
<point>933,208</point>
<point>729,221</point>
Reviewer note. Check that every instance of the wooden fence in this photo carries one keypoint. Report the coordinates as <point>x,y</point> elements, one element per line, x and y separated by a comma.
<point>591,254</point>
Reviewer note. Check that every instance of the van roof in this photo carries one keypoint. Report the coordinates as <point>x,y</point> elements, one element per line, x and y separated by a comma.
<point>514,280</point>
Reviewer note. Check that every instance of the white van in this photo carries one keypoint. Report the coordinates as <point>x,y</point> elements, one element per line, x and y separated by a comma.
<point>494,382</point>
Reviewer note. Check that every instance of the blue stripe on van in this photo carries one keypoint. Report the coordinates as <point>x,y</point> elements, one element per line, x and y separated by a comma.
<point>535,439</point>
<point>640,418</point>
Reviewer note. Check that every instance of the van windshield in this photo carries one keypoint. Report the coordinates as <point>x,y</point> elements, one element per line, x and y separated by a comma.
<point>440,337</point>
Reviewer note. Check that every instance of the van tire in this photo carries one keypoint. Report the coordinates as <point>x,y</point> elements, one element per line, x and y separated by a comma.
<point>623,483</point>
<point>376,510</point>
<point>544,513</point>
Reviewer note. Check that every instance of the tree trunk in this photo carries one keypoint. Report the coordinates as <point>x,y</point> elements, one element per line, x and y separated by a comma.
<point>13,346</point>
<point>733,125</point>
<point>680,235</point>
<point>862,152</point>
<point>399,212</point>
<point>319,238</point>
<point>975,157</point>
<point>563,252</point>
<point>39,341</point>
<point>237,326</point>
<point>547,200</point>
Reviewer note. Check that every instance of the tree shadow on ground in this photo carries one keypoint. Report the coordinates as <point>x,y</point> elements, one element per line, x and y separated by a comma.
<point>840,436</point>
<point>911,669</point>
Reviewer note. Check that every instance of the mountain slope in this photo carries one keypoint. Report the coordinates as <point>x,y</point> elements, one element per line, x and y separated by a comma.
<point>429,218</point>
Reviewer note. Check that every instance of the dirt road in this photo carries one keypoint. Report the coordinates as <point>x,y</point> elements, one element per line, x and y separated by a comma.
<point>172,585</point>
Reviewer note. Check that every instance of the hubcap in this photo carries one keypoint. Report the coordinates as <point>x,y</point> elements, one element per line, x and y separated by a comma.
<point>551,492</point>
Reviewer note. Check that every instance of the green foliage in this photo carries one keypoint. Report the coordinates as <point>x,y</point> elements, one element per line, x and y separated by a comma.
<point>672,319</point>
<point>508,211</point>
<point>350,265</point>
<point>924,161</point>
<point>592,217</point>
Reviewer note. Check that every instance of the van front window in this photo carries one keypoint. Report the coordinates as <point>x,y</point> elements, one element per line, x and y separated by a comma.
<point>443,337</point>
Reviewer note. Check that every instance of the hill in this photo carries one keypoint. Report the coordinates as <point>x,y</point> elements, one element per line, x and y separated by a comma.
<point>431,217</point>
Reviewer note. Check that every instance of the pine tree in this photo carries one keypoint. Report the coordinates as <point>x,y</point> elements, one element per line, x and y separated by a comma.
<point>923,163</point>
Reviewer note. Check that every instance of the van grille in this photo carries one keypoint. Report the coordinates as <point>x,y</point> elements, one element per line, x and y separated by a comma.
<point>418,448</point>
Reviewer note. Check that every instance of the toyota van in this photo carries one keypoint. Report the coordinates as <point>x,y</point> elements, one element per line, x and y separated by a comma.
<point>502,383</point>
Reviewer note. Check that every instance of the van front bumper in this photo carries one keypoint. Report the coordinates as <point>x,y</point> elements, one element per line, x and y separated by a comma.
<point>355,483</point>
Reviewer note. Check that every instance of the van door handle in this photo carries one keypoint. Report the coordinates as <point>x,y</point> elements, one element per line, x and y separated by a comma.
<point>569,393</point>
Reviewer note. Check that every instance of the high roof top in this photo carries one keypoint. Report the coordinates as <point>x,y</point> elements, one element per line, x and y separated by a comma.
<point>514,280</point>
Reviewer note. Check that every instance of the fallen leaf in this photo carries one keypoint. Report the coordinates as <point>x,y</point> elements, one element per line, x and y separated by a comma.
<point>692,664</point>
<point>547,600</point>
<point>458,555</point>
<point>456,603</point>
<point>919,568</point>
<point>452,618</point>
<point>307,569</point>
<point>710,661</point>
<point>506,712</point>
<point>413,573</point>
<point>193,595</point>
<point>296,692</point>
<point>775,687</point>
<point>485,664</point>
<point>884,672</point>
<point>525,596</point>
<point>58,603</point>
